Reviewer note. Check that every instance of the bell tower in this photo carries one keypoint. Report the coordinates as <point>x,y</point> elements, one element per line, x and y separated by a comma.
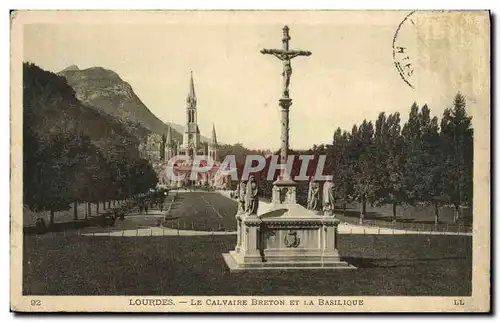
<point>191,138</point>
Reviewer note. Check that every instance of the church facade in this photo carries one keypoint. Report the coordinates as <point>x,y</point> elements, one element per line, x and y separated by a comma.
<point>159,149</point>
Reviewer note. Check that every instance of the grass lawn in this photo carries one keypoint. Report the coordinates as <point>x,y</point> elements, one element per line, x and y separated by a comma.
<point>406,216</point>
<point>388,265</point>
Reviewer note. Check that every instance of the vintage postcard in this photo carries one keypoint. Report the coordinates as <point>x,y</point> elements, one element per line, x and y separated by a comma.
<point>250,161</point>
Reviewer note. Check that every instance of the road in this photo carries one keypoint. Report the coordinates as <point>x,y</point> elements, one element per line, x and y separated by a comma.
<point>203,211</point>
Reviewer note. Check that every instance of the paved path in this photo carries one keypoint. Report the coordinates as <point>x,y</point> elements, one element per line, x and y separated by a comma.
<point>158,231</point>
<point>211,206</point>
<point>344,229</point>
<point>203,211</point>
<point>154,213</point>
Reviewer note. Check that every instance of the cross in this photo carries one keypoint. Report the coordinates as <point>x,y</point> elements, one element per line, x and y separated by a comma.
<point>286,55</point>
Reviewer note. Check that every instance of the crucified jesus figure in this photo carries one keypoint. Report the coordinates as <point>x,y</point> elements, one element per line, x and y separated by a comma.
<point>287,73</point>
<point>286,55</point>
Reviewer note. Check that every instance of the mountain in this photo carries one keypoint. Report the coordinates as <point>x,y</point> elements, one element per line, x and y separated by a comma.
<point>50,106</point>
<point>106,91</point>
<point>71,67</point>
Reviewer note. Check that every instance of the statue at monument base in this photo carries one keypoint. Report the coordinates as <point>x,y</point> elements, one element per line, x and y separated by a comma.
<point>328,198</point>
<point>252,197</point>
<point>241,196</point>
<point>313,196</point>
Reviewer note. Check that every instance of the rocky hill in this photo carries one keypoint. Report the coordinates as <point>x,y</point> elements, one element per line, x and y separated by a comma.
<point>50,106</point>
<point>106,91</point>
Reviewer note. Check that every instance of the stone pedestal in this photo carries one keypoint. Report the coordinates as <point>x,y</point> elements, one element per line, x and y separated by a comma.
<point>284,192</point>
<point>285,236</point>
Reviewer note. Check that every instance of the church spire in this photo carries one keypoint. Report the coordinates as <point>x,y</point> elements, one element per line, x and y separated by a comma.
<point>212,146</point>
<point>213,140</point>
<point>191,96</point>
<point>168,141</point>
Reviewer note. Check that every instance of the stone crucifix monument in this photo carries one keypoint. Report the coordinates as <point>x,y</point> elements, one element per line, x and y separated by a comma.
<point>284,187</point>
<point>283,234</point>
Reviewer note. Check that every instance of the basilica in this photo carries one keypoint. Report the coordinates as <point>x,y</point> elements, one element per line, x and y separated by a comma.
<point>160,148</point>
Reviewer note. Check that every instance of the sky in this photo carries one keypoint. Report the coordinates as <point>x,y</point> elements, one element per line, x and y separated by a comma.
<point>350,76</point>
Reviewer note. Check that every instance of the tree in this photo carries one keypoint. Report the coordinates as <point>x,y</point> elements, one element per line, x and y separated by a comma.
<point>117,164</point>
<point>412,150</point>
<point>457,147</point>
<point>363,162</point>
<point>342,169</point>
<point>431,187</point>
<point>422,169</point>
<point>390,162</point>
<point>88,171</point>
<point>31,160</point>
<point>142,176</point>
<point>50,168</point>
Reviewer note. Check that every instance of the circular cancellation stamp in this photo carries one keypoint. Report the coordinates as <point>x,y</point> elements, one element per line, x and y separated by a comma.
<point>403,49</point>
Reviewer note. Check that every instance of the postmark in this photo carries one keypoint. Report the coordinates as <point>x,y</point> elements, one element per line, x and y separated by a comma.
<point>402,50</point>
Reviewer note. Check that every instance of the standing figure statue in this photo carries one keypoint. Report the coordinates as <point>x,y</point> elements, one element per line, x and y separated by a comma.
<point>313,196</point>
<point>242,191</point>
<point>252,196</point>
<point>328,198</point>
<point>236,192</point>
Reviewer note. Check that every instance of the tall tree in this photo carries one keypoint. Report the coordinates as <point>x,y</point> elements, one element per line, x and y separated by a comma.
<point>412,150</point>
<point>343,174</point>
<point>49,188</point>
<point>423,162</point>
<point>344,178</point>
<point>142,176</point>
<point>390,161</point>
<point>363,162</point>
<point>431,186</point>
<point>87,166</point>
<point>457,147</point>
<point>94,178</point>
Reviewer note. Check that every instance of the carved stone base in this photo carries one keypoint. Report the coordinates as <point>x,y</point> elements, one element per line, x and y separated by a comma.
<point>234,264</point>
<point>285,236</point>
